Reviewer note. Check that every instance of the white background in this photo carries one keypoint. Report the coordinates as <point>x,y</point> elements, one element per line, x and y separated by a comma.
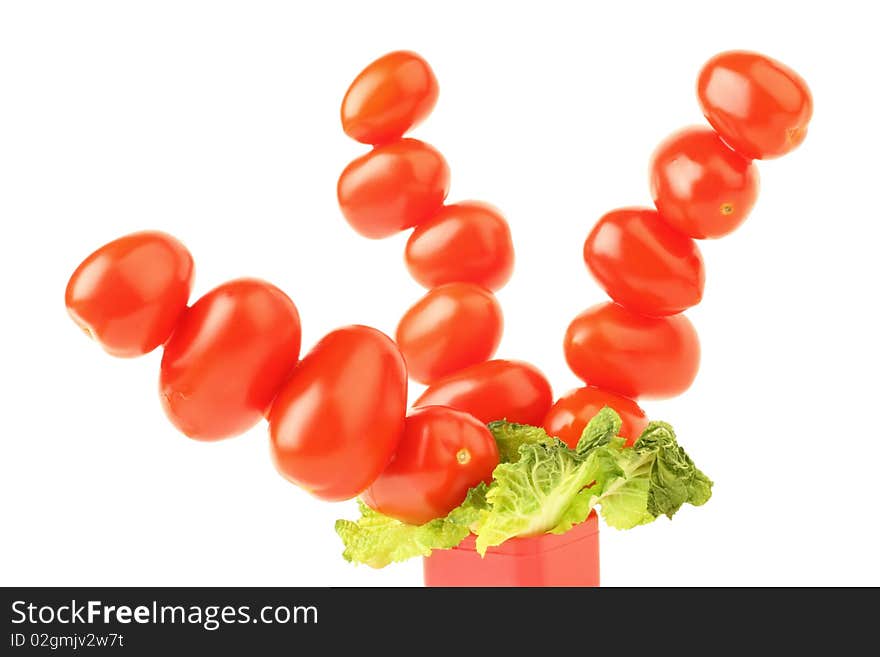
<point>218,122</point>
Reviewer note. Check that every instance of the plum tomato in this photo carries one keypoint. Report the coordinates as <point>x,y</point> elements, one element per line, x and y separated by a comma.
<point>228,357</point>
<point>612,348</point>
<point>467,242</point>
<point>389,97</point>
<point>443,453</point>
<point>338,419</point>
<point>129,294</point>
<point>572,412</point>
<point>452,327</point>
<point>643,263</point>
<point>758,105</point>
<point>393,187</point>
<point>495,390</point>
<point>700,185</point>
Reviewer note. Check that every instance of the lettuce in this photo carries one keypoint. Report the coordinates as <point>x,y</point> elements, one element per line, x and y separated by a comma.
<point>543,486</point>
<point>510,436</point>
<point>378,540</point>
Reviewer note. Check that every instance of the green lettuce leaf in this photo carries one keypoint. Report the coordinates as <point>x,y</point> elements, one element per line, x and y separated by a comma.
<point>551,489</point>
<point>675,480</point>
<point>656,477</point>
<point>543,486</point>
<point>600,431</point>
<point>510,436</point>
<point>532,495</point>
<point>378,540</point>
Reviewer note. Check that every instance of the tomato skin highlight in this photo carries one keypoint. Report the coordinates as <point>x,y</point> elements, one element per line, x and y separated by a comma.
<point>495,390</point>
<point>336,422</point>
<point>634,355</point>
<point>643,264</point>
<point>228,357</point>
<point>572,412</point>
<point>467,242</point>
<point>129,294</point>
<point>452,327</point>
<point>758,105</point>
<point>443,453</point>
<point>390,96</point>
<point>393,187</point>
<point>700,185</point>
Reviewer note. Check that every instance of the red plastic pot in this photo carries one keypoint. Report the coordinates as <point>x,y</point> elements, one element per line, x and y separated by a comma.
<point>570,559</point>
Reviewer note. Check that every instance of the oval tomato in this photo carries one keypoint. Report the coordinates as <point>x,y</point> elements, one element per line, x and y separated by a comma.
<point>228,357</point>
<point>572,412</point>
<point>495,390</point>
<point>337,421</point>
<point>614,349</point>
<point>758,105</point>
<point>700,185</point>
<point>129,294</point>
<point>393,187</point>
<point>644,264</point>
<point>467,242</point>
<point>452,327</point>
<point>390,96</point>
<point>443,453</point>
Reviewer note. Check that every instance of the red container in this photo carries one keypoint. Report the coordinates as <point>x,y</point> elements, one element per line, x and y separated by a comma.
<point>570,559</point>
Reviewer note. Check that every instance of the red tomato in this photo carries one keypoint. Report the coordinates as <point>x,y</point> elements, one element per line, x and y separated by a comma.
<point>129,294</point>
<point>467,242</point>
<point>337,421</point>
<point>393,187</point>
<point>228,357</point>
<point>700,185</point>
<point>758,105</point>
<point>573,411</point>
<point>452,327</point>
<point>643,264</point>
<point>495,390</point>
<point>614,349</point>
<point>390,96</point>
<point>443,453</point>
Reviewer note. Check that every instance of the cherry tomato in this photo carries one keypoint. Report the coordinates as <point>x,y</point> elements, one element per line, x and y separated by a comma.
<point>495,390</point>
<point>700,185</point>
<point>572,412</point>
<point>393,187</point>
<point>129,294</point>
<point>467,242</point>
<point>443,453</point>
<point>337,421</point>
<point>452,327</point>
<point>228,357</point>
<point>637,356</point>
<point>390,96</point>
<point>758,105</point>
<point>643,264</point>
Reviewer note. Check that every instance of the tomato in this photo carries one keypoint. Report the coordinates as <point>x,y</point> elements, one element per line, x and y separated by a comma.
<point>337,421</point>
<point>572,412</point>
<point>129,294</point>
<point>758,105</point>
<point>393,187</point>
<point>443,453</point>
<point>700,185</point>
<point>467,242</point>
<point>390,96</point>
<point>637,356</point>
<point>495,390</point>
<point>452,327</point>
<point>228,357</point>
<point>643,264</point>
